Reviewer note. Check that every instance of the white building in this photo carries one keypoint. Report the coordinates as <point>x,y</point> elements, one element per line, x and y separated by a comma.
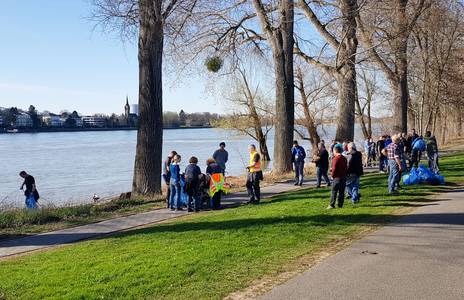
<point>23,120</point>
<point>93,121</point>
<point>134,109</point>
<point>52,120</point>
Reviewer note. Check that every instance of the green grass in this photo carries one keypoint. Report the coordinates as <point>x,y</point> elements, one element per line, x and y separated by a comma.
<point>209,255</point>
<point>19,222</point>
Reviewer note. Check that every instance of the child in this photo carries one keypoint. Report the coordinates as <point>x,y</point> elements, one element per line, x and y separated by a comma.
<point>192,174</point>
<point>174,183</point>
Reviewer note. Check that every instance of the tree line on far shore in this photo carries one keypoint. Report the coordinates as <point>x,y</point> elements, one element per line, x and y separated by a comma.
<point>32,119</point>
<point>343,59</point>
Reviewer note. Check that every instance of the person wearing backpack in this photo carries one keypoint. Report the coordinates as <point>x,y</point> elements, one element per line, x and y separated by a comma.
<point>298,160</point>
<point>432,151</point>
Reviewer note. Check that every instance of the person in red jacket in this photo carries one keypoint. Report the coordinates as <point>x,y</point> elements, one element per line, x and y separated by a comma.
<point>339,169</point>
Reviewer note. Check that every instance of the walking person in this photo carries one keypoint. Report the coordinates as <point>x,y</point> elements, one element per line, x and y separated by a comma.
<point>298,160</point>
<point>322,165</point>
<point>354,173</point>
<point>339,169</point>
<point>395,165</point>
<point>174,183</point>
<point>221,156</point>
<point>167,176</point>
<point>192,182</point>
<point>432,151</point>
<point>254,176</point>
<point>213,170</point>
<point>31,193</point>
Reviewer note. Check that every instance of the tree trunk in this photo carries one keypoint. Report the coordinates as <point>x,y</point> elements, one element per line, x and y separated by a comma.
<point>147,169</point>
<point>283,64</point>
<point>361,119</point>
<point>401,100</point>
<point>346,78</point>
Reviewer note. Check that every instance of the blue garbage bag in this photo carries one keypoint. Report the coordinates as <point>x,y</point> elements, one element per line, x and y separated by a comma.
<point>411,178</point>
<point>183,194</point>
<point>425,174</point>
<point>438,179</point>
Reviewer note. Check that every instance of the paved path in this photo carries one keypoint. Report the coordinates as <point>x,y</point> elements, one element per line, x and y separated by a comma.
<point>71,235</point>
<point>419,257</point>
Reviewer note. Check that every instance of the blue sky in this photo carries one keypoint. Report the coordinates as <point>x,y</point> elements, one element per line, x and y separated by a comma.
<point>51,57</point>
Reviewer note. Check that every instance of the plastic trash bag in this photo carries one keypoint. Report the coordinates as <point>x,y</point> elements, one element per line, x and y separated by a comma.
<point>183,194</point>
<point>425,174</point>
<point>411,178</point>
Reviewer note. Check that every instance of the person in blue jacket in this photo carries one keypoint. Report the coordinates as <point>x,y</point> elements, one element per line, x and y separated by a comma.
<point>174,183</point>
<point>418,145</point>
<point>298,160</point>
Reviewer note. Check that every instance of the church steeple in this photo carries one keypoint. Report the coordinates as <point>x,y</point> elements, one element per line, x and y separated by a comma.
<point>127,108</point>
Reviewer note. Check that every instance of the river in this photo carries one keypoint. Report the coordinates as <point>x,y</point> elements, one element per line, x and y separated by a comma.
<point>69,167</point>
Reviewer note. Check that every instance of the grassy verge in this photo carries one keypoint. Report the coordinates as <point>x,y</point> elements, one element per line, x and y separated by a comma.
<point>210,255</point>
<point>18,222</point>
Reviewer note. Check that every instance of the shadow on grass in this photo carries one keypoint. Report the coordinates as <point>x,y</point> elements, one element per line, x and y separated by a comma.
<point>255,224</point>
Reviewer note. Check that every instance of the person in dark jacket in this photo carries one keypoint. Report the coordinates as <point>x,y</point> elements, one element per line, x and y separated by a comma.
<point>354,172</point>
<point>339,169</point>
<point>431,148</point>
<point>213,168</point>
<point>192,181</point>
<point>298,160</point>
<point>322,165</point>
<point>31,193</point>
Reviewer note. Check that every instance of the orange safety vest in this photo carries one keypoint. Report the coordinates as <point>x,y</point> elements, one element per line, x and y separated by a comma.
<point>257,165</point>
<point>217,183</point>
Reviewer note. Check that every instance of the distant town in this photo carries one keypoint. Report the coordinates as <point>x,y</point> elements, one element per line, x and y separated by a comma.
<point>14,120</point>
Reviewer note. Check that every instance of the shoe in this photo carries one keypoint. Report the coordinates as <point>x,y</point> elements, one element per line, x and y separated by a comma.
<point>394,193</point>
<point>300,184</point>
<point>173,209</point>
<point>318,186</point>
<point>329,184</point>
<point>296,183</point>
<point>330,207</point>
<point>250,201</point>
<point>190,210</point>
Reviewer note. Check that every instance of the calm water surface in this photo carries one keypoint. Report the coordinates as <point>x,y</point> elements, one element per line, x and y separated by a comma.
<point>69,167</point>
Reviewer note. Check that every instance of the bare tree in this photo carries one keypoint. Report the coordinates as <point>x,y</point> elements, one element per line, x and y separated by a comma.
<point>344,45</point>
<point>317,99</point>
<point>154,20</point>
<point>366,91</point>
<point>385,28</point>
<point>251,114</point>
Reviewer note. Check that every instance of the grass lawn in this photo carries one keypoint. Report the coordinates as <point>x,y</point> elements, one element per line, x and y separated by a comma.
<point>209,255</point>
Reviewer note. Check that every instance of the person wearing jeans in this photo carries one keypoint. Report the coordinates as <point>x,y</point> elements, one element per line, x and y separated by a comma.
<point>355,171</point>
<point>174,183</point>
<point>394,165</point>
<point>322,165</point>
<point>192,182</point>
<point>298,159</point>
<point>339,168</point>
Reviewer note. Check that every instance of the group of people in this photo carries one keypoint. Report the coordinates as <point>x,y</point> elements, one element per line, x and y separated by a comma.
<point>412,146</point>
<point>346,162</point>
<point>209,186</point>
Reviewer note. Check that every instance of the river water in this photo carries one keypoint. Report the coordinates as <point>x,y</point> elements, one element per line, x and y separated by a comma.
<point>69,167</point>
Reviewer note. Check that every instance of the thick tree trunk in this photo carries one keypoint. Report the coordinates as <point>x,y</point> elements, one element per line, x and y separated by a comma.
<point>346,78</point>
<point>401,100</point>
<point>283,63</point>
<point>147,169</point>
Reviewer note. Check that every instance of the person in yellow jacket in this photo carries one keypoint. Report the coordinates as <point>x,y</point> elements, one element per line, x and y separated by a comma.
<point>254,176</point>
